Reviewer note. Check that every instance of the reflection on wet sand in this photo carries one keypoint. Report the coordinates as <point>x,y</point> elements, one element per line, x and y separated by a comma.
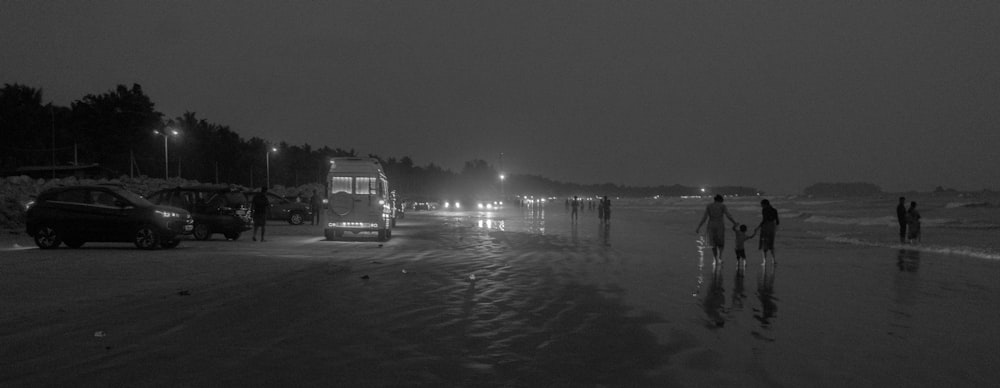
<point>604,233</point>
<point>765,292</point>
<point>715,299</point>
<point>908,260</point>
<point>534,217</point>
<point>738,290</point>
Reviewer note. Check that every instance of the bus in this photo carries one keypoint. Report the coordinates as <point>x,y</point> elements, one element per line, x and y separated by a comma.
<point>359,198</point>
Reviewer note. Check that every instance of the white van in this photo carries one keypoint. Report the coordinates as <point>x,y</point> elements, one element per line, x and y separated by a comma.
<point>359,198</point>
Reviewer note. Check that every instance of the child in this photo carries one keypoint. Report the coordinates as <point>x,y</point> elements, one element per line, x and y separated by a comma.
<point>741,237</point>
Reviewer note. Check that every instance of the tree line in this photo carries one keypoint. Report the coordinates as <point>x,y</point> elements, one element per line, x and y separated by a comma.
<point>115,131</point>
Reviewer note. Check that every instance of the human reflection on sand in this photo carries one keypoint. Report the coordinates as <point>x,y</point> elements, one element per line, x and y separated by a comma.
<point>715,298</point>
<point>604,233</point>
<point>765,292</point>
<point>908,260</point>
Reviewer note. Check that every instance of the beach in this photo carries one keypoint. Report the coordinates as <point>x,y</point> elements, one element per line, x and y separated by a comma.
<point>521,297</point>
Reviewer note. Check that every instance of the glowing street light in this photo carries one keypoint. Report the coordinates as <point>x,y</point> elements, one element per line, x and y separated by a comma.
<point>502,193</point>
<point>166,160</point>
<point>267,164</point>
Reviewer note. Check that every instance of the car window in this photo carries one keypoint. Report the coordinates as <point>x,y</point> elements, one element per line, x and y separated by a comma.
<point>275,199</point>
<point>340,184</point>
<point>72,196</point>
<point>235,198</point>
<point>365,185</point>
<point>133,197</point>
<point>103,198</point>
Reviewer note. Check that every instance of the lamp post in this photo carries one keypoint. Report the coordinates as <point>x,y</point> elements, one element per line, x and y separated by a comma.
<point>503,195</point>
<point>166,159</point>
<point>267,164</point>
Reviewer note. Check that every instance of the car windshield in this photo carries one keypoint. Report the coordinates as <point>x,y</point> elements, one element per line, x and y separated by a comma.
<point>235,198</point>
<point>136,199</point>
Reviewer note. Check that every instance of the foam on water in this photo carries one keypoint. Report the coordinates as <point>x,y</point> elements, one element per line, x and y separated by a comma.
<point>941,249</point>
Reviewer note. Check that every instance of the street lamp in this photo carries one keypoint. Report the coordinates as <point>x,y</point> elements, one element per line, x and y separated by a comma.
<point>166,160</point>
<point>503,195</point>
<point>267,164</point>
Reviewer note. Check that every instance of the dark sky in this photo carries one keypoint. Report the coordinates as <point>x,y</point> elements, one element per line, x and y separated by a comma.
<point>776,95</point>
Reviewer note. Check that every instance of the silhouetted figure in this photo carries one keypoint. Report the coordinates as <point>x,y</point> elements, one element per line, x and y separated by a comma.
<point>316,205</point>
<point>901,217</point>
<point>768,228</point>
<point>606,209</point>
<point>741,238</point>
<point>716,231</point>
<point>260,206</point>
<point>576,208</point>
<point>913,224</point>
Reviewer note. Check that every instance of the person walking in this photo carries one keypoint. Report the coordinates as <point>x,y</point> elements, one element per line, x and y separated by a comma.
<point>768,228</point>
<point>913,224</point>
<point>316,205</point>
<point>901,217</point>
<point>714,213</point>
<point>260,206</point>
<point>606,209</point>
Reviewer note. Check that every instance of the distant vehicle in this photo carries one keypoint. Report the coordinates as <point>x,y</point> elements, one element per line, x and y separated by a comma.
<point>282,208</point>
<point>74,215</point>
<point>421,206</point>
<point>215,209</point>
<point>360,199</point>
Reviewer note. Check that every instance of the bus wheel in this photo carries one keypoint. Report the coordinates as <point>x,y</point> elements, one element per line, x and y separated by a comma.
<point>382,235</point>
<point>330,234</point>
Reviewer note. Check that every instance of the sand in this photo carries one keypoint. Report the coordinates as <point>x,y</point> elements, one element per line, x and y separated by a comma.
<point>518,299</point>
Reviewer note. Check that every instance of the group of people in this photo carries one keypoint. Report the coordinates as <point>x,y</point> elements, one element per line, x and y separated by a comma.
<point>909,222</point>
<point>716,213</point>
<point>603,208</point>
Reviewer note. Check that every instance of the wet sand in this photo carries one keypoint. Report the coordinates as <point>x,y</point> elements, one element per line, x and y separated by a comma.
<point>634,304</point>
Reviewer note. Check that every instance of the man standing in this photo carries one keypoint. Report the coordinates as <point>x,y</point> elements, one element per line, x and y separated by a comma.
<point>260,206</point>
<point>716,226</point>
<point>316,205</point>
<point>576,207</point>
<point>901,217</point>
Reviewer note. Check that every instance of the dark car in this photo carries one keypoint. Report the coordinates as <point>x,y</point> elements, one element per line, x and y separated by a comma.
<point>284,209</point>
<point>215,209</point>
<point>75,215</point>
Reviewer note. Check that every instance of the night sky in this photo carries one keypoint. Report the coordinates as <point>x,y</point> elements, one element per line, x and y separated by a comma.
<point>777,95</point>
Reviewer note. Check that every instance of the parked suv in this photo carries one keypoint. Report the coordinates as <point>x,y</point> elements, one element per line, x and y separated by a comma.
<point>284,209</point>
<point>75,215</point>
<point>216,209</point>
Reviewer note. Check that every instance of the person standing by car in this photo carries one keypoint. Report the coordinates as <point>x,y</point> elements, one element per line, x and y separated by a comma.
<point>260,206</point>
<point>316,204</point>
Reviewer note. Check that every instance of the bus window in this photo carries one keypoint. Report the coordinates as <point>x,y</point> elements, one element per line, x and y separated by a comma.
<point>364,185</point>
<point>340,184</point>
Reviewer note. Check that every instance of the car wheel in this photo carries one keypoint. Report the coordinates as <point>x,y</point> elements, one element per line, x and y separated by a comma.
<point>170,244</point>
<point>201,232</point>
<point>296,219</point>
<point>233,236</point>
<point>47,238</point>
<point>146,238</point>
<point>74,243</point>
